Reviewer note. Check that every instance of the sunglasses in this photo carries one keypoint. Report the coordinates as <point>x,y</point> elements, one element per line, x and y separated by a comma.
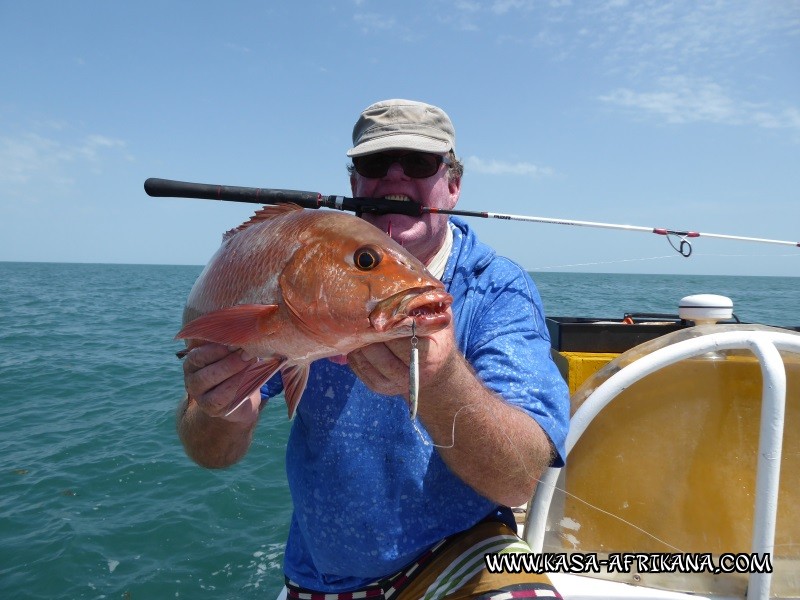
<point>417,165</point>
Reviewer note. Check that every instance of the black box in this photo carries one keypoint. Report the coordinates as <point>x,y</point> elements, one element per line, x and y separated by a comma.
<point>570,334</point>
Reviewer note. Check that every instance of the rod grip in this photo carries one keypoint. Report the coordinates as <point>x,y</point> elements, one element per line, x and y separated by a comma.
<point>160,188</point>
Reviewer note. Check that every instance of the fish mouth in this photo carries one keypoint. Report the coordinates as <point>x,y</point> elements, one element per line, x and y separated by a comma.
<point>426,306</point>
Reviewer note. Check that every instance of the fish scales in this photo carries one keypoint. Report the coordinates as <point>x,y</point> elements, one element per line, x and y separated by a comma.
<point>292,286</point>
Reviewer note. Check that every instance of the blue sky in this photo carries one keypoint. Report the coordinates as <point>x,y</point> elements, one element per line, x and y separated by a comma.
<point>683,115</point>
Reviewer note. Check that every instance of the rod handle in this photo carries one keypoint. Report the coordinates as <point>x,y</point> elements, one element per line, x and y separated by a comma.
<point>160,188</point>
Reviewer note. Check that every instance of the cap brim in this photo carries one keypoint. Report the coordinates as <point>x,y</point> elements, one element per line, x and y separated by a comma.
<point>400,142</point>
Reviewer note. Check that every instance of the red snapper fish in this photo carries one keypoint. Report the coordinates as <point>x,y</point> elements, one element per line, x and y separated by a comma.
<point>291,286</point>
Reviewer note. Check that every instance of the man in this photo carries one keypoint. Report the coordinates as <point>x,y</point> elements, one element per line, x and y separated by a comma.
<point>383,505</point>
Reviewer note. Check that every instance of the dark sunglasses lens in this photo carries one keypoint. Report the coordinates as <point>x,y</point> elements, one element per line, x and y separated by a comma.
<point>418,165</point>
<point>373,166</point>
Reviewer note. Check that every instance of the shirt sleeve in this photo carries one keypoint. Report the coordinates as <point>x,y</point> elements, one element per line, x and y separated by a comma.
<point>508,345</point>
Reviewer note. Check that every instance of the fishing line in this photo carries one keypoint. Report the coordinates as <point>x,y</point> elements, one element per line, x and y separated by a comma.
<point>452,433</point>
<point>696,254</point>
<point>413,400</point>
<point>606,262</point>
<point>537,479</point>
<point>708,254</point>
<point>413,396</point>
<point>581,500</point>
<point>613,516</point>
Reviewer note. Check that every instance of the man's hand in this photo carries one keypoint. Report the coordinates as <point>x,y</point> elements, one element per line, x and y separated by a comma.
<point>212,375</point>
<point>383,367</point>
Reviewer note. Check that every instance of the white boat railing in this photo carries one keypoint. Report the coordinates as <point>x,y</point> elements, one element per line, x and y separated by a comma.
<point>765,345</point>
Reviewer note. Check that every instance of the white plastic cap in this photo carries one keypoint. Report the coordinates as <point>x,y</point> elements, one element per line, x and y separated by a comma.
<point>705,308</point>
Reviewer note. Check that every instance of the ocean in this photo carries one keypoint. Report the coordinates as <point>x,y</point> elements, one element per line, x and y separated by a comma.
<point>97,499</point>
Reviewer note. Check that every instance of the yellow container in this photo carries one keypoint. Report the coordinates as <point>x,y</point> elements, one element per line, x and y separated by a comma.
<point>670,466</point>
<point>577,367</point>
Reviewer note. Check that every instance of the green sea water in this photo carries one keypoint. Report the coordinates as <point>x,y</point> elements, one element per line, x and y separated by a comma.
<point>97,499</point>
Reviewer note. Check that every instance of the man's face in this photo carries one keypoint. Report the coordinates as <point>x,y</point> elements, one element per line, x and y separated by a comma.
<point>422,236</point>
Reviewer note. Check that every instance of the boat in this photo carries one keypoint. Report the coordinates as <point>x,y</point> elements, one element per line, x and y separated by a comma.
<point>680,482</point>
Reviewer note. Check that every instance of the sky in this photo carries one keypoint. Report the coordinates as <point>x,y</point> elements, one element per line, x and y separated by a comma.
<point>683,115</point>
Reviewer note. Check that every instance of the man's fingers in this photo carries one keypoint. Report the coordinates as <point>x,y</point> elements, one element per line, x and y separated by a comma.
<point>207,368</point>
<point>380,369</point>
<point>220,400</point>
<point>202,356</point>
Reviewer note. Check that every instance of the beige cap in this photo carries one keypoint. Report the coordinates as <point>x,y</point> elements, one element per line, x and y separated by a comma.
<point>402,125</point>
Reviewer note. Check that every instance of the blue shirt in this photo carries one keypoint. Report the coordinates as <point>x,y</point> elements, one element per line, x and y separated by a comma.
<point>369,494</point>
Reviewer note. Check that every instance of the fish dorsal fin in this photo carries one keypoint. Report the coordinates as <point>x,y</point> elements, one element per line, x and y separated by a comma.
<point>269,211</point>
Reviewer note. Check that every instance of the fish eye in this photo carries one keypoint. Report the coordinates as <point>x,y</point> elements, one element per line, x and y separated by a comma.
<point>366,258</point>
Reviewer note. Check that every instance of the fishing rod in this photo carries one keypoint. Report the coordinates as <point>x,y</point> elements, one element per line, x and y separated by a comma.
<point>380,206</point>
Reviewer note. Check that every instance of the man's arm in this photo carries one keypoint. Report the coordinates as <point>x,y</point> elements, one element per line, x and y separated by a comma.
<point>493,446</point>
<point>212,374</point>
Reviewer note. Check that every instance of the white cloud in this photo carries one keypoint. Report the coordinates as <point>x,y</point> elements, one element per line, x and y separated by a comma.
<point>655,34</point>
<point>239,48</point>
<point>461,15</point>
<point>470,6</point>
<point>32,156</point>
<point>496,167</point>
<point>680,99</point>
<point>371,22</point>
<point>646,36</point>
<point>501,7</point>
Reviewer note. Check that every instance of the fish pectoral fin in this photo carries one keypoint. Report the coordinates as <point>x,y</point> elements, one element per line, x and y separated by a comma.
<point>256,375</point>
<point>294,384</point>
<point>233,326</point>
